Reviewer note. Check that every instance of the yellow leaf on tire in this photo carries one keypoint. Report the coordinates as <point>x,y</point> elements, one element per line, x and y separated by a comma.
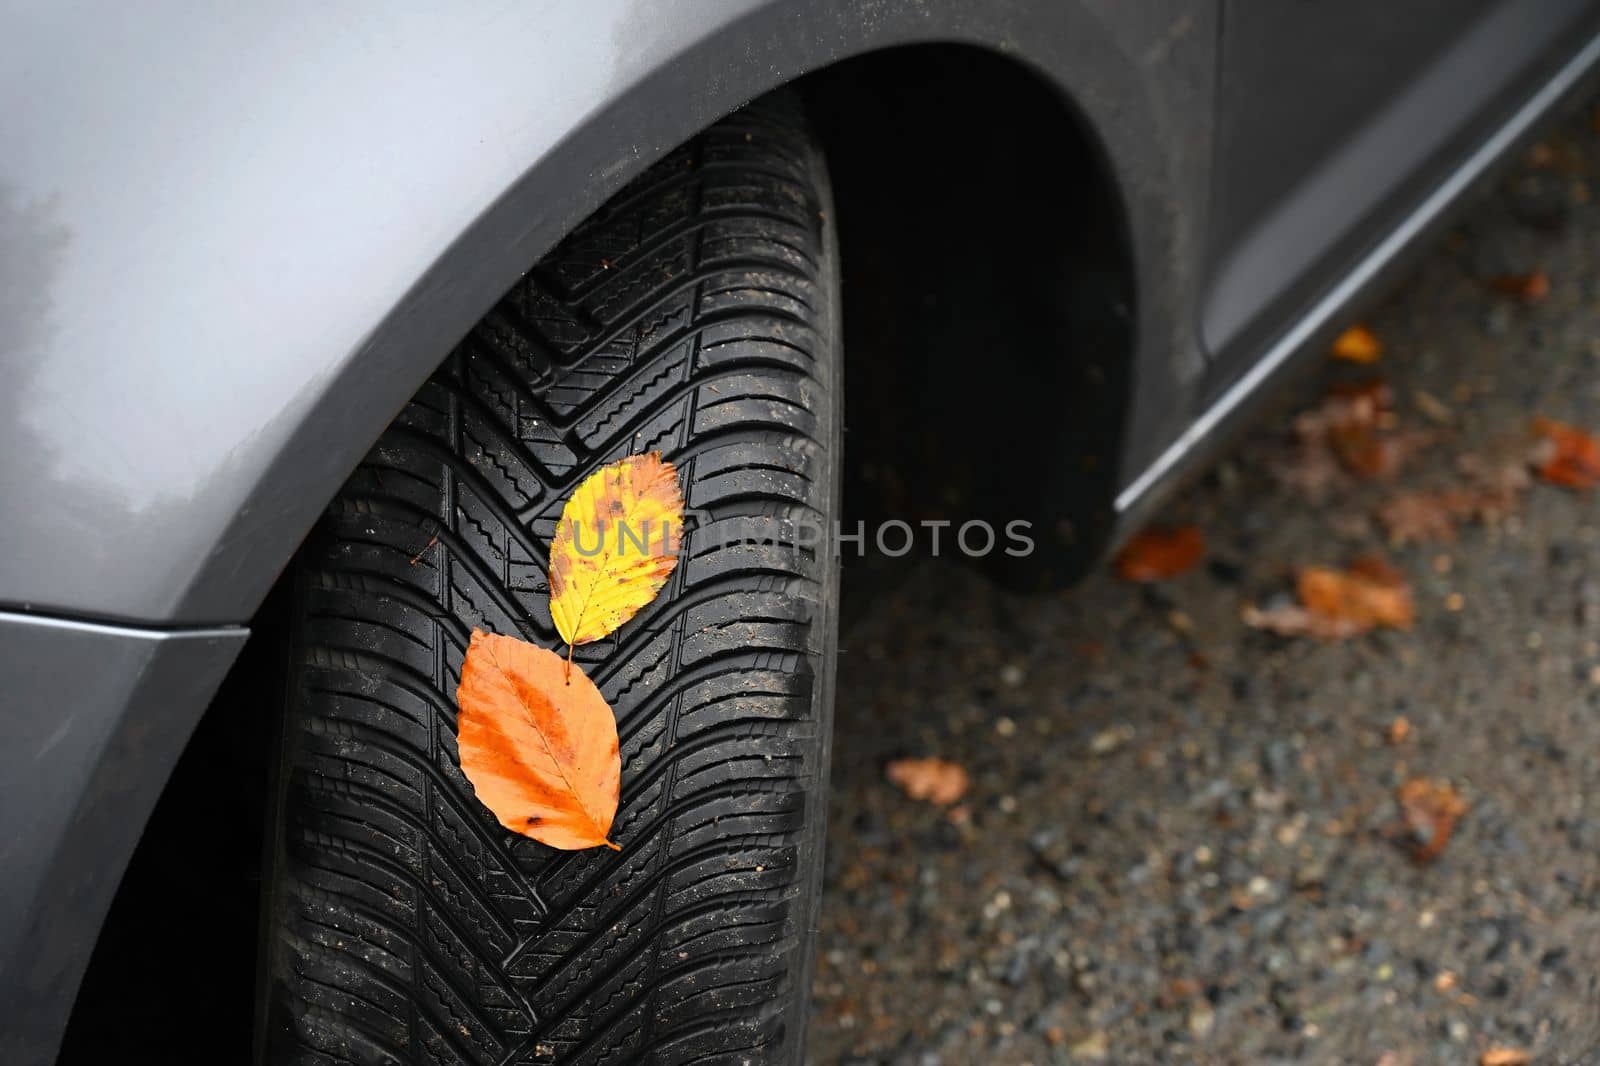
<point>538,743</point>
<point>615,547</point>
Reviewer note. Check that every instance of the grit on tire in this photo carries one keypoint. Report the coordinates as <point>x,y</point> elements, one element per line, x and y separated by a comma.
<point>694,314</point>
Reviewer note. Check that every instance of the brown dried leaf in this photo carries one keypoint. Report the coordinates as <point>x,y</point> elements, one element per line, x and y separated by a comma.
<point>1339,604</point>
<point>1369,594</point>
<point>1352,430</point>
<point>1431,808</point>
<point>931,779</point>
<point>1493,490</point>
<point>1310,470</point>
<point>1424,516</point>
<point>1500,1055</point>
<point>1359,404</point>
<point>1160,553</point>
<point>1497,485</point>
<point>1565,455</point>
<point>1526,288</point>
<point>1358,344</point>
<point>1371,452</point>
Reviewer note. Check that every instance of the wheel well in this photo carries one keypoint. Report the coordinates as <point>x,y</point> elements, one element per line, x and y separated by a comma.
<point>988,299</point>
<point>988,311</point>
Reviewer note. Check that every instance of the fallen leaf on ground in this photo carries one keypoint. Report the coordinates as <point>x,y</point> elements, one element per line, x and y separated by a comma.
<point>615,546</point>
<point>1310,470</point>
<point>1431,808</point>
<point>1527,288</point>
<point>1371,453</point>
<point>1565,455</point>
<point>931,779</point>
<point>1370,593</point>
<point>1160,553</point>
<point>1492,490</point>
<point>1346,404</point>
<point>1399,730</point>
<point>1338,604</point>
<point>1353,430</point>
<point>1292,620</point>
<point>538,745</point>
<point>1417,517</point>
<point>1358,344</point>
<point>1504,1056</point>
<point>1498,485</point>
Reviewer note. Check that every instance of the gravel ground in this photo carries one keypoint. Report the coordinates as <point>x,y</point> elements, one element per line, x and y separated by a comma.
<point>1181,841</point>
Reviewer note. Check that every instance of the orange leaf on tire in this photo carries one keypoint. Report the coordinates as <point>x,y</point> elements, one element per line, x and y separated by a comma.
<point>615,546</point>
<point>538,744</point>
<point>1160,553</point>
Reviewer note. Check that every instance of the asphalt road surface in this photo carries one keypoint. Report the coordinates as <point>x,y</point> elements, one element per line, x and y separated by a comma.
<point>1182,840</point>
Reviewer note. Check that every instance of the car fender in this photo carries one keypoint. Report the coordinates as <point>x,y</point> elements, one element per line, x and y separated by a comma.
<point>235,243</point>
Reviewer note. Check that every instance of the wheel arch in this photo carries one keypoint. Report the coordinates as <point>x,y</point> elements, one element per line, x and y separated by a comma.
<point>989,301</point>
<point>228,423</point>
<point>207,544</point>
<point>1084,347</point>
<point>914,331</point>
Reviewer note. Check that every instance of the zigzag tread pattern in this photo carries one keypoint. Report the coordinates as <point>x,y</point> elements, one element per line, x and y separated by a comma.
<point>694,314</point>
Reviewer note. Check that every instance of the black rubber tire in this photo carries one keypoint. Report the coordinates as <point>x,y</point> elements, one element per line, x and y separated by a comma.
<point>695,314</point>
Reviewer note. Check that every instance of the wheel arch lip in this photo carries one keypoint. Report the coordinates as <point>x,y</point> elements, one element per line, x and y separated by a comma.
<point>174,436</point>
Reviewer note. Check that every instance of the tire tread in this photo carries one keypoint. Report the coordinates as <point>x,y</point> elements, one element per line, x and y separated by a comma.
<point>694,313</point>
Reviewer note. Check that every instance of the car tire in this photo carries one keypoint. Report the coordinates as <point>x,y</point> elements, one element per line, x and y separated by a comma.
<point>695,314</point>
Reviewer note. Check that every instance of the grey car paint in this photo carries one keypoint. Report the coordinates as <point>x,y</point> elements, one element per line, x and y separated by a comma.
<point>1385,108</point>
<point>89,710</point>
<point>1232,390</point>
<point>241,239</point>
<point>233,241</point>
